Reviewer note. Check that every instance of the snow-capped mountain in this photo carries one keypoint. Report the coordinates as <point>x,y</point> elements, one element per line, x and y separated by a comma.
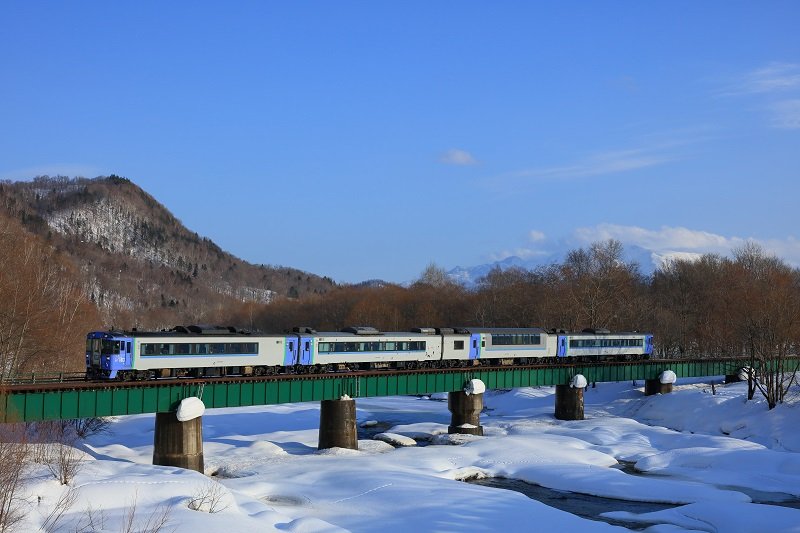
<point>648,260</point>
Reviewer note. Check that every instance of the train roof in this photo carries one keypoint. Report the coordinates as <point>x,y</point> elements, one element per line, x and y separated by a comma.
<point>376,333</point>
<point>601,332</point>
<point>517,331</point>
<point>181,332</point>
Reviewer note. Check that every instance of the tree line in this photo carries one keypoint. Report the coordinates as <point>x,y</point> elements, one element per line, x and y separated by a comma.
<point>714,306</point>
<point>747,305</point>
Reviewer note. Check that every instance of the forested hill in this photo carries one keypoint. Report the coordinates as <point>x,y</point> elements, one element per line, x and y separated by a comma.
<point>139,264</point>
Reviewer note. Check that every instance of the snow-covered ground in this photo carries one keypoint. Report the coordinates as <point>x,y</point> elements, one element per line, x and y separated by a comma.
<point>709,454</point>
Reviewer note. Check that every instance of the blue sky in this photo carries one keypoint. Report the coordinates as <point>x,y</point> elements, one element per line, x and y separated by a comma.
<point>365,140</point>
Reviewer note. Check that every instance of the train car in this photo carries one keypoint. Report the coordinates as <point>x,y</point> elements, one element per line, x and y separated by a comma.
<point>196,351</point>
<point>499,346</point>
<point>192,351</point>
<point>362,348</point>
<point>593,344</point>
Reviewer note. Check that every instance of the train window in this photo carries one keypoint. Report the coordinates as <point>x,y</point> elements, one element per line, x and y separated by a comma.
<point>516,339</point>
<point>308,346</point>
<point>129,347</point>
<point>183,349</point>
<point>474,344</point>
<point>109,347</point>
<point>458,345</point>
<point>291,346</point>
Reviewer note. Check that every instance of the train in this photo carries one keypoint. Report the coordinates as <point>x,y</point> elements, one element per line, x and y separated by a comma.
<point>213,351</point>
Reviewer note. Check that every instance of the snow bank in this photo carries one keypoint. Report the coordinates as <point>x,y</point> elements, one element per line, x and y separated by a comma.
<point>716,516</point>
<point>275,479</point>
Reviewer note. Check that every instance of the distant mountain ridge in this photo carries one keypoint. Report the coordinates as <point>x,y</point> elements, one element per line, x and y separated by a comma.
<point>648,260</point>
<point>137,258</point>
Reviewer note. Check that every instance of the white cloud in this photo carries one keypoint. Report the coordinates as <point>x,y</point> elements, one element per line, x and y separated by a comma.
<point>771,78</point>
<point>522,253</point>
<point>599,164</point>
<point>457,157</point>
<point>777,86</point>
<point>603,163</point>
<point>666,238</point>
<point>786,114</point>
<point>536,236</point>
<point>659,245</point>
<point>670,242</point>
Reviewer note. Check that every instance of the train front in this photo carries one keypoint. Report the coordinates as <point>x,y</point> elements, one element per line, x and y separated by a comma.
<point>108,354</point>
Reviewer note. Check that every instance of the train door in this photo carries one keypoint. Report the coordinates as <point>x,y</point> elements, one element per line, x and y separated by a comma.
<point>126,353</point>
<point>306,350</point>
<point>648,344</point>
<point>562,346</point>
<point>475,346</point>
<point>290,354</point>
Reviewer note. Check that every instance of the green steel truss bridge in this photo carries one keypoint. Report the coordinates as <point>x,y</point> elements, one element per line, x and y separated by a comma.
<point>38,398</point>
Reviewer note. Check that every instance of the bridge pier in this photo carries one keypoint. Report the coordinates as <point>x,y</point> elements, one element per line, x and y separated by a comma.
<point>178,443</point>
<point>337,424</point>
<point>734,378</point>
<point>654,386</point>
<point>465,413</point>
<point>569,402</point>
<point>661,385</point>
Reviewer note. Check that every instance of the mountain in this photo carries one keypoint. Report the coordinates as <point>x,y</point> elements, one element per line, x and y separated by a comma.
<point>137,259</point>
<point>648,260</point>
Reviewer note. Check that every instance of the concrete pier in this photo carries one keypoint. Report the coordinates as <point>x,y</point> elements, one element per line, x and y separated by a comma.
<point>178,443</point>
<point>465,413</point>
<point>569,402</point>
<point>654,386</point>
<point>337,424</point>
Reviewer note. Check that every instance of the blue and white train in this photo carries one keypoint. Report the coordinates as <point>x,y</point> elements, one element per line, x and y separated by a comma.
<point>196,351</point>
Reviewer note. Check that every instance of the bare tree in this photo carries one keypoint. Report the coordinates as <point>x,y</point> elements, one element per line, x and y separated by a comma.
<point>768,319</point>
<point>153,523</point>
<point>65,502</point>
<point>598,287</point>
<point>55,443</point>
<point>14,460</point>
<point>209,498</point>
<point>44,314</point>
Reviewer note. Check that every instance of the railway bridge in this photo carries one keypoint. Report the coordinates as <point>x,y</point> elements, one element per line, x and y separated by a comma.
<point>40,398</point>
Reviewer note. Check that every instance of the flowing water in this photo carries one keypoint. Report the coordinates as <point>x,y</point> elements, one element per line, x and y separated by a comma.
<point>591,507</point>
<point>581,505</point>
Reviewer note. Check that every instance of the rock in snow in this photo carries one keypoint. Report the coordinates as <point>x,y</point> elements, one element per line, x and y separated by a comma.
<point>395,440</point>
